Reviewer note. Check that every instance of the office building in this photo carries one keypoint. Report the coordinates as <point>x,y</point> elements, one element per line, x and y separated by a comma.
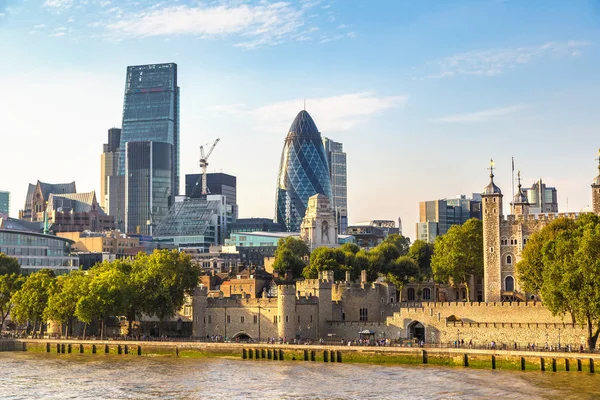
<point>336,159</point>
<point>4,203</point>
<point>369,234</point>
<point>255,225</point>
<point>303,172</point>
<point>216,183</point>
<point>148,185</point>
<point>109,165</point>
<point>195,224</point>
<point>77,212</point>
<point>445,213</point>
<point>541,198</point>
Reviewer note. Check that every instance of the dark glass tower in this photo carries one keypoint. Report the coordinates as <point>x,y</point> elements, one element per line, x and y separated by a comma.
<point>151,111</point>
<point>303,172</point>
<point>147,185</point>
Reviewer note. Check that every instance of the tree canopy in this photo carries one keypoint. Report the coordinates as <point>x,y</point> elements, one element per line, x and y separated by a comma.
<point>458,254</point>
<point>326,259</point>
<point>562,262</point>
<point>31,300</point>
<point>421,252</point>
<point>9,265</point>
<point>289,256</point>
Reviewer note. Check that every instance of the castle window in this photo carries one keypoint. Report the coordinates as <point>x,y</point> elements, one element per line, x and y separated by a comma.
<point>229,319</point>
<point>298,319</point>
<point>426,294</point>
<point>491,249</point>
<point>410,293</point>
<point>363,314</point>
<point>287,318</point>
<point>242,319</point>
<point>274,319</point>
<point>256,319</point>
<point>508,259</point>
<point>311,318</point>
<point>210,319</point>
<point>382,300</point>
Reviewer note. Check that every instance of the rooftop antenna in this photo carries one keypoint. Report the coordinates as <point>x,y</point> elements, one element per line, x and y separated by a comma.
<point>513,178</point>
<point>305,105</point>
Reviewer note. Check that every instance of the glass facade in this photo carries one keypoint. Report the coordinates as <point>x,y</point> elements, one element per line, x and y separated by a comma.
<point>4,202</point>
<point>147,185</point>
<point>446,213</point>
<point>35,251</point>
<point>339,189</point>
<point>151,111</point>
<point>303,172</point>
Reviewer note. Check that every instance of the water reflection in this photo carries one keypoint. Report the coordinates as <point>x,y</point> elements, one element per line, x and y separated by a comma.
<point>26,376</point>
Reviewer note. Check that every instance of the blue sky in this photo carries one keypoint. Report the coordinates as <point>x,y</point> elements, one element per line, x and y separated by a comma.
<point>421,93</point>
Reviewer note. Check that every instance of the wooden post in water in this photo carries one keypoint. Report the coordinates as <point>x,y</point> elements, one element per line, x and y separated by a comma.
<point>24,346</point>
<point>269,354</point>
<point>305,355</point>
<point>139,350</point>
<point>119,349</point>
<point>325,356</point>
<point>466,360</point>
<point>80,349</point>
<point>493,362</point>
<point>244,354</point>
<point>280,355</point>
<point>339,356</point>
<point>425,359</point>
<point>522,363</point>
<point>554,365</point>
<point>591,365</point>
<point>93,349</point>
<point>57,348</point>
<point>257,352</point>
<point>542,364</point>
<point>567,365</point>
<point>313,355</point>
<point>62,348</point>
<point>176,351</point>
<point>579,366</point>
<point>69,348</point>
<point>47,347</point>
<point>275,355</point>
<point>263,354</point>
<point>332,356</point>
<point>250,354</point>
<point>106,349</point>
<point>126,349</point>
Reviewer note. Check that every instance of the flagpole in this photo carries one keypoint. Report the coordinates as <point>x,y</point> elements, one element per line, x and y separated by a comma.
<point>513,183</point>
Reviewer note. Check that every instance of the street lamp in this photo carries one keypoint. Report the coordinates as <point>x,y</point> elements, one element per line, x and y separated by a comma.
<point>559,338</point>
<point>458,338</point>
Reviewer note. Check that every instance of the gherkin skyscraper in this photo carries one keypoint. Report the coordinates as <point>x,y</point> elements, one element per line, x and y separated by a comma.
<point>303,172</point>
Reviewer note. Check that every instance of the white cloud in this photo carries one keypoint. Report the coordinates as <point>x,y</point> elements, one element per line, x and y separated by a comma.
<point>58,34</point>
<point>39,26</point>
<point>495,62</point>
<point>482,116</point>
<point>59,4</point>
<point>332,114</point>
<point>263,24</point>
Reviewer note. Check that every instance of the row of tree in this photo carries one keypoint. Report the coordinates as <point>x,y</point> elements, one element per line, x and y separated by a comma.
<point>151,284</point>
<point>453,259</point>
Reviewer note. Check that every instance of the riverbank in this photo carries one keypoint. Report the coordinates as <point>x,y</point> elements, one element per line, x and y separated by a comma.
<point>459,357</point>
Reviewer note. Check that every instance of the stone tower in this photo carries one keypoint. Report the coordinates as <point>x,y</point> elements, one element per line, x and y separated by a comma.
<point>520,203</point>
<point>492,217</point>
<point>596,190</point>
<point>319,226</point>
<point>199,304</point>
<point>286,311</point>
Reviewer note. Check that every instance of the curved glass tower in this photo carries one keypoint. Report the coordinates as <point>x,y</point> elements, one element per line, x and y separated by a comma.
<point>303,172</point>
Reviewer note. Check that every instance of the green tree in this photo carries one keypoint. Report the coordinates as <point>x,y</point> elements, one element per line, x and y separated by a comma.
<point>326,259</point>
<point>402,243</point>
<point>9,265</point>
<point>381,259</point>
<point>64,296</point>
<point>401,271</point>
<point>31,300</point>
<point>458,254</point>
<point>9,285</point>
<point>164,278</point>
<point>289,256</point>
<point>421,252</point>
<point>565,256</point>
<point>355,260</point>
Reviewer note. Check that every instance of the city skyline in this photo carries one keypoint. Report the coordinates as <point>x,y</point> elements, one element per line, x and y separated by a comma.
<point>419,111</point>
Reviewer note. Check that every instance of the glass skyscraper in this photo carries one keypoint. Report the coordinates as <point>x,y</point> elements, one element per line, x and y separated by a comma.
<point>303,172</point>
<point>147,185</point>
<point>4,202</point>
<point>337,171</point>
<point>151,112</point>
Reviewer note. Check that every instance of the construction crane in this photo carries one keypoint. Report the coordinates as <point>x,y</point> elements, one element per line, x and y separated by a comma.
<point>204,163</point>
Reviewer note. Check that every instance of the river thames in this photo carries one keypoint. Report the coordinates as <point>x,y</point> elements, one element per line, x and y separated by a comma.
<point>27,376</point>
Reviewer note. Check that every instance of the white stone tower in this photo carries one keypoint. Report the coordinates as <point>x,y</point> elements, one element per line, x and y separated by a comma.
<point>492,217</point>
<point>319,226</point>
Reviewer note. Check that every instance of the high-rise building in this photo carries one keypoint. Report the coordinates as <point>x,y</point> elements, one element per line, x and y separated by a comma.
<point>148,187</point>
<point>541,198</point>
<point>109,165</point>
<point>303,172</point>
<point>216,183</point>
<point>4,202</point>
<point>445,213</point>
<point>336,159</point>
<point>150,114</point>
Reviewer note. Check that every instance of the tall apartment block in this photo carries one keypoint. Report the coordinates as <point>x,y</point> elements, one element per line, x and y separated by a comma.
<point>437,216</point>
<point>4,202</point>
<point>541,198</point>
<point>336,159</point>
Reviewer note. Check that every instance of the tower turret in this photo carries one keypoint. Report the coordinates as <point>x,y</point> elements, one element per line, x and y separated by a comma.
<point>520,203</point>
<point>286,311</point>
<point>492,216</point>
<point>199,305</point>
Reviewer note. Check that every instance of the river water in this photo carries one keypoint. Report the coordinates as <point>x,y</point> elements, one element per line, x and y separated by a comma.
<point>52,376</point>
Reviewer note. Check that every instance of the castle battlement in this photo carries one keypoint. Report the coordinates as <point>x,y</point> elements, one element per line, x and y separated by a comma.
<point>238,302</point>
<point>420,307</point>
<point>538,217</point>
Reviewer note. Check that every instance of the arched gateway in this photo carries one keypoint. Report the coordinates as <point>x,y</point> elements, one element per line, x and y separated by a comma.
<point>416,330</point>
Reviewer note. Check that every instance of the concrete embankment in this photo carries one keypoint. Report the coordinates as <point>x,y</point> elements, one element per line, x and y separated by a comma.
<point>488,359</point>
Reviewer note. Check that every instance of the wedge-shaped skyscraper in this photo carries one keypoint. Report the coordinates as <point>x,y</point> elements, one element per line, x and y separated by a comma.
<point>303,172</point>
